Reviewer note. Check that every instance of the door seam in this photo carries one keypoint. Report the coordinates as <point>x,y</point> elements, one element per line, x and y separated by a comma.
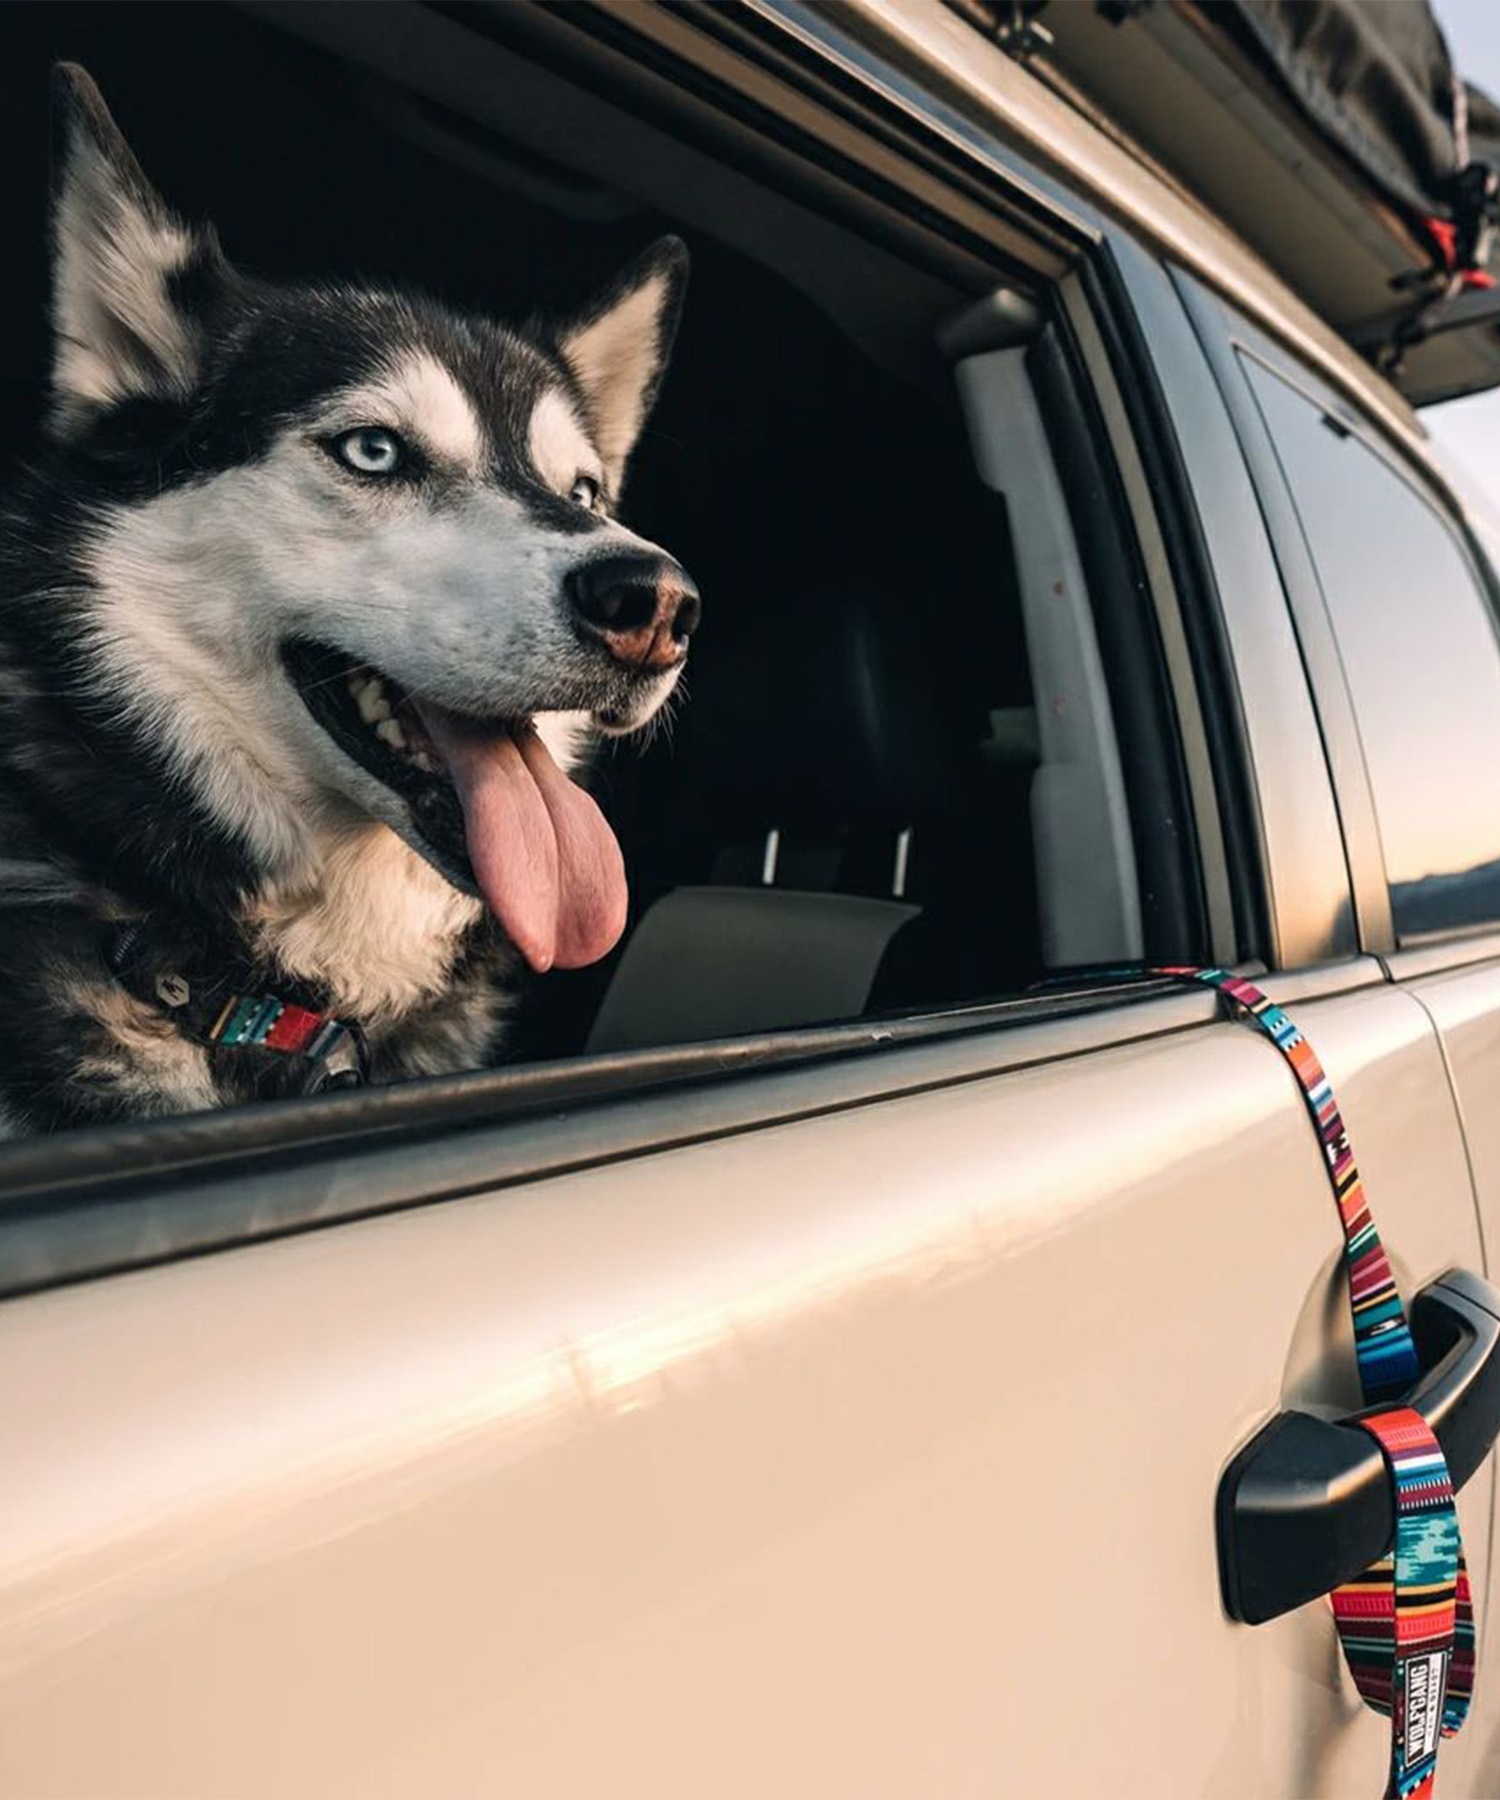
<point>1458,1113</point>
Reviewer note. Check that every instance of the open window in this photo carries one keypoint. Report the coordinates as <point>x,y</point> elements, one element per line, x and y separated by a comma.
<point>927,759</point>
<point>897,786</point>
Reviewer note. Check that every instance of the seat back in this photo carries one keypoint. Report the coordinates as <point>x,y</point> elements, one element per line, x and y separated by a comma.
<point>709,962</point>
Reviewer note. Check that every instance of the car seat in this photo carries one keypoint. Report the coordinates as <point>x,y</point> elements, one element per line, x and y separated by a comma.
<point>833,834</point>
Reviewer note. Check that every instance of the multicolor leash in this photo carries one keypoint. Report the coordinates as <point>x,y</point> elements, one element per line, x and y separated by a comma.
<point>1407,1624</point>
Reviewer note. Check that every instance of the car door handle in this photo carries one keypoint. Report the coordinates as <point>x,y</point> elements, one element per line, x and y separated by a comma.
<point>1306,1505</point>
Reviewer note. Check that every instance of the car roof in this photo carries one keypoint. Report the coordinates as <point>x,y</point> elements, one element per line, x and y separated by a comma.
<point>925,35</point>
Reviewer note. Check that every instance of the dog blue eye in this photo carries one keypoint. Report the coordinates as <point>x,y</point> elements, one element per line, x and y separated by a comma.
<point>370,450</point>
<point>585,492</point>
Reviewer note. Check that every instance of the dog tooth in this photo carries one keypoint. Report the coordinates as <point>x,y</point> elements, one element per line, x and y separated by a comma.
<point>389,732</point>
<point>373,705</point>
<point>427,764</point>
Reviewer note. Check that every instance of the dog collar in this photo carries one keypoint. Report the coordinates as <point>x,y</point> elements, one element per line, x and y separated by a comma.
<point>266,1022</point>
<point>205,1009</point>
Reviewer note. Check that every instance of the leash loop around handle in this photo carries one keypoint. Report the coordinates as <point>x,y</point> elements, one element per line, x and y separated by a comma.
<point>1406,1625</point>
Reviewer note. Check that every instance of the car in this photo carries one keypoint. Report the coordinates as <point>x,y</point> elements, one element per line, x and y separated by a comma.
<point>819,1363</point>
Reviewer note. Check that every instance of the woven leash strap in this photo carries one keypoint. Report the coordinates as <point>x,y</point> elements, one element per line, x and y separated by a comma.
<point>1407,1625</point>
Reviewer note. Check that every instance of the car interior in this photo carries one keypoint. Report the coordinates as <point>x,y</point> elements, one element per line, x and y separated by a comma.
<point>896,782</point>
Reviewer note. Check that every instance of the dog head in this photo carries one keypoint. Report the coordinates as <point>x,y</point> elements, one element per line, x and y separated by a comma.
<point>349,550</point>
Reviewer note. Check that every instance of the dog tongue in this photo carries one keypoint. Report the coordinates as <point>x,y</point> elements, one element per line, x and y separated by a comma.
<point>546,861</point>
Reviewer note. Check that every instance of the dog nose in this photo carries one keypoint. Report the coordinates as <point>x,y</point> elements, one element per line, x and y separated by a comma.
<point>642,608</point>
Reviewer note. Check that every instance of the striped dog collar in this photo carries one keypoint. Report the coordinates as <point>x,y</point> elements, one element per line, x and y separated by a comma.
<point>266,1023</point>
<point>334,1048</point>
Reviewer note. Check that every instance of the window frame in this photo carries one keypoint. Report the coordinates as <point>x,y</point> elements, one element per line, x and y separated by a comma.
<point>1229,338</point>
<point>1281,829</point>
<point>104,1200</point>
<point>1160,731</point>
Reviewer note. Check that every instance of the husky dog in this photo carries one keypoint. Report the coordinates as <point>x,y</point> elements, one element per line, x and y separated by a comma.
<point>306,608</point>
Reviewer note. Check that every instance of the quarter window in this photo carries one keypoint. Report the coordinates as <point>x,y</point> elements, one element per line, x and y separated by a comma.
<point>1421,657</point>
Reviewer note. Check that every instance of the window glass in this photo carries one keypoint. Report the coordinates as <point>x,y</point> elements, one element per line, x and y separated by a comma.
<point>1422,658</point>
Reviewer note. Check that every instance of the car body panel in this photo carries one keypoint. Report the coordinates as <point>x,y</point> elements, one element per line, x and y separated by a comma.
<point>815,1459</point>
<point>849,1429</point>
<point>1464,1004</point>
<point>1456,979</point>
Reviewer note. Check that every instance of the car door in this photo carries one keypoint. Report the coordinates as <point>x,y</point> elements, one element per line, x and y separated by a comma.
<point>793,1437</point>
<point>1385,569</point>
<point>1394,603</point>
<point>1396,606</point>
<point>834,1412</point>
<point>787,1435</point>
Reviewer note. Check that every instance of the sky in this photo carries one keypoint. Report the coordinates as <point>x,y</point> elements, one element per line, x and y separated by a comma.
<point>1468,431</point>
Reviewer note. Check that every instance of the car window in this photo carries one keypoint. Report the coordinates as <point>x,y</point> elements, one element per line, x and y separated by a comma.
<point>1420,653</point>
<point>929,756</point>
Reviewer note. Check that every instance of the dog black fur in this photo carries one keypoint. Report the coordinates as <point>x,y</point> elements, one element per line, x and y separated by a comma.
<point>122,864</point>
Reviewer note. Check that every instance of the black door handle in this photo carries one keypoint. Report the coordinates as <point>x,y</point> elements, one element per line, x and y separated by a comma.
<point>1306,1505</point>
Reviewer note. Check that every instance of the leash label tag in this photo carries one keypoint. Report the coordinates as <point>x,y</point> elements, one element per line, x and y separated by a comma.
<point>1426,1679</point>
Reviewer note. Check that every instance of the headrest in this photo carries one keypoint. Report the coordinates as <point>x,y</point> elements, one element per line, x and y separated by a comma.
<point>819,710</point>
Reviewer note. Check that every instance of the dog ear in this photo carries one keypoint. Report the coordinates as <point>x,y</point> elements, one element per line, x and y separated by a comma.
<point>618,348</point>
<point>122,265</point>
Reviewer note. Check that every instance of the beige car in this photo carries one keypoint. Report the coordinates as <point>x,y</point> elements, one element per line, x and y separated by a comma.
<point>812,1368</point>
